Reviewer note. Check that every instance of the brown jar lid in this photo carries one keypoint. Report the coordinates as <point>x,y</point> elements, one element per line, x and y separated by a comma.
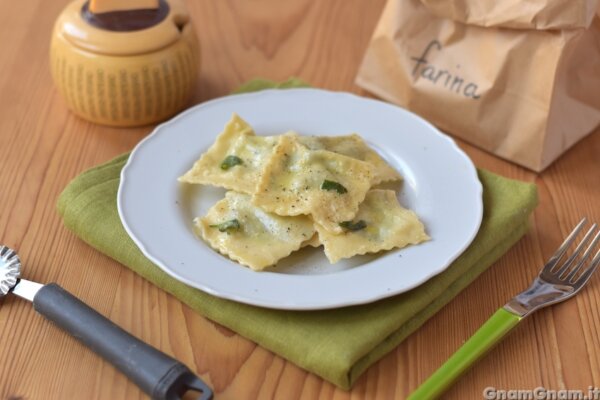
<point>122,33</point>
<point>126,20</point>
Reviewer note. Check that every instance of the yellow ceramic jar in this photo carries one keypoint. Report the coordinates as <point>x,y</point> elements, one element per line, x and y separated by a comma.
<point>125,75</point>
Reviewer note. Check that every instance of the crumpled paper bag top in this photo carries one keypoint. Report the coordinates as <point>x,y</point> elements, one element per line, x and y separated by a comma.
<point>519,14</point>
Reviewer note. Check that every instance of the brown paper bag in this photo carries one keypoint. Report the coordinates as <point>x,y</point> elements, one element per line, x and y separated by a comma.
<point>525,95</point>
<point>530,14</point>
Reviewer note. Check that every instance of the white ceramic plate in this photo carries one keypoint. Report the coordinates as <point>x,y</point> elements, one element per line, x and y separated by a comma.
<point>440,184</point>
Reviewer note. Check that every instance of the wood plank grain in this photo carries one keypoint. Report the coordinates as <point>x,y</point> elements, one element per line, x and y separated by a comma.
<point>43,146</point>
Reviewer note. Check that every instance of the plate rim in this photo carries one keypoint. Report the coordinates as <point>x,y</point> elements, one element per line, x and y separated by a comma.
<point>291,305</point>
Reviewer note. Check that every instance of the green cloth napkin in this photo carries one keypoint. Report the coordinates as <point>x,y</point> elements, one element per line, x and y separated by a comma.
<point>340,344</point>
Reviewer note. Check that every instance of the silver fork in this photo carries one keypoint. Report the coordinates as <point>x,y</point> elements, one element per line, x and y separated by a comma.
<point>555,283</point>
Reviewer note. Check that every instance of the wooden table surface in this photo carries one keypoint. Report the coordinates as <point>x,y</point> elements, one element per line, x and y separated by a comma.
<point>43,146</point>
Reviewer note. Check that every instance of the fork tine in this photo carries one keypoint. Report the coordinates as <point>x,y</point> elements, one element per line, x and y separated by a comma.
<point>578,251</point>
<point>584,257</point>
<point>589,271</point>
<point>564,246</point>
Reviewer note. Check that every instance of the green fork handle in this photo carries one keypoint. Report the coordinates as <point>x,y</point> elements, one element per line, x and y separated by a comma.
<point>490,333</point>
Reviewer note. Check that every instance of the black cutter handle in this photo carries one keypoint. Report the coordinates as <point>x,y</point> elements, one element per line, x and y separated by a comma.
<point>160,376</point>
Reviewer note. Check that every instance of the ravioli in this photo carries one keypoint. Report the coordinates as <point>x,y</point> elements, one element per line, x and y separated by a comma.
<point>291,191</point>
<point>313,242</point>
<point>353,146</point>
<point>235,160</point>
<point>327,185</point>
<point>251,236</point>
<point>380,224</point>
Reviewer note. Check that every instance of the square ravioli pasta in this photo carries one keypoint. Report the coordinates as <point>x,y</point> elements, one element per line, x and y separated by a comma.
<point>235,160</point>
<point>327,185</point>
<point>380,224</point>
<point>353,146</point>
<point>251,236</point>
